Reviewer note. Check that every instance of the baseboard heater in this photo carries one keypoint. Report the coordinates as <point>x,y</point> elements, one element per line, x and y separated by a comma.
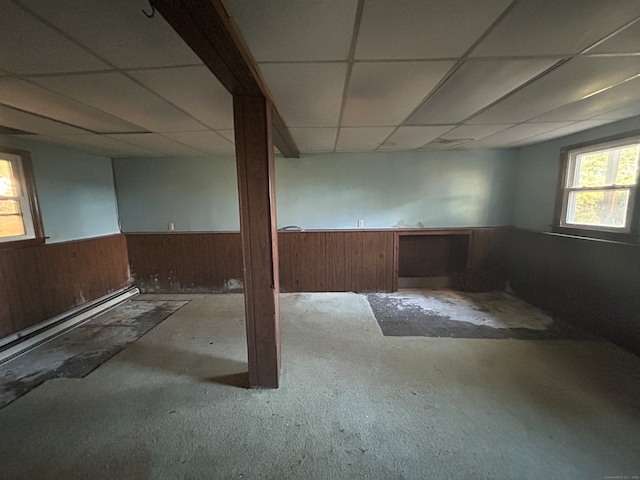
<point>21,342</point>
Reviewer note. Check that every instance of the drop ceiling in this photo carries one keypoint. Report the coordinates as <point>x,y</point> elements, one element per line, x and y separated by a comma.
<point>345,75</point>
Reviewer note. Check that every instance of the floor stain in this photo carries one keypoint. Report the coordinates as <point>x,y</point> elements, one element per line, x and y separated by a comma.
<point>81,350</point>
<point>447,313</point>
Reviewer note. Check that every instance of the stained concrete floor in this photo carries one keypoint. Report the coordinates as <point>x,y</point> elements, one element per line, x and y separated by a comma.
<point>353,404</point>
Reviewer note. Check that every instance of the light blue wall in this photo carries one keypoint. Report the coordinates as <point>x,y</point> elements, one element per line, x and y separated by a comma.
<point>400,189</point>
<point>75,191</point>
<point>195,193</point>
<point>538,167</point>
<point>323,191</point>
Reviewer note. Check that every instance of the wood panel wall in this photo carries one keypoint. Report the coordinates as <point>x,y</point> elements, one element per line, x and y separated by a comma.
<point>432,255</point>
<point>186,262</point>
<point>485,270</point>
<point>591,283</point>
<point>337,261</point>
<point>40,282</point>
<point>315,261</point>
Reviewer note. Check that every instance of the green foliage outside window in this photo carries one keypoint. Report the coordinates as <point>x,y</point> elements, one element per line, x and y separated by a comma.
<point>616,168</point>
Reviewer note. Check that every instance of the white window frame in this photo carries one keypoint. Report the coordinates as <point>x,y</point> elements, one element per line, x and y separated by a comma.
<point>23,197</point>
<point>569,165</point>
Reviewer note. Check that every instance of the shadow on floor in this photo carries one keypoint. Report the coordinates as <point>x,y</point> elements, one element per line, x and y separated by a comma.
<point>175,361</point>
<point>240,380</point>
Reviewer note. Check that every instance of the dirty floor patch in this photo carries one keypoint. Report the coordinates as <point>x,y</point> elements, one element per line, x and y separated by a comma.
<point>81,350</point>
<point>445,313</point>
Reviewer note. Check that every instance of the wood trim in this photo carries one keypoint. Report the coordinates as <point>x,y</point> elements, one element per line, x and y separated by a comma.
<point>282,137</point>
<point>396,264</point>
<point>437,231</point>
<point>39,282</point>
<point>206,27</point>
<point>30,181</point>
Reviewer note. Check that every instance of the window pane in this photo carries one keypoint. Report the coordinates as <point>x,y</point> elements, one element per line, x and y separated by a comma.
<point>11,223</point>
<point>628,166</point>
<point>7,183</point>
<point>591,169</point>
<point>605,208</point>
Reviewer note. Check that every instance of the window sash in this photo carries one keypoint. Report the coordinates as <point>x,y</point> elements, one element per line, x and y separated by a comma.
<point>21,198</point>
<point>606,222</point>
<point>570,189</point>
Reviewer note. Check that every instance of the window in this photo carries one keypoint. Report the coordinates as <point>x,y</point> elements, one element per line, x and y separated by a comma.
<point>599,186</point>
<point>19,218</point>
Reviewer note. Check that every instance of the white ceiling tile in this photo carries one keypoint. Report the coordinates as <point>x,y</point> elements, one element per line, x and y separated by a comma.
<point>360,139</point>
<point>156,143</point>
<point>625,41</point>
<point>464,134</point>
<point>205,141</point>
<point>410,138</point>
<point>286,30</point>
<point>10,117</point>
<point>627,93</point>
<point>517,133</point>
<point>474,132</point>
<point>30,46</point>
<point>31,98</point>
<point>619,114</point>
<point>98,144</point>
<point>568,83</point>
<point>552,27</point>
<point>308,94</point>
<point>193,89</point>
<point>118,31</point>
<point>116,94</point>
<point>229,134</point>
<point>418,29</point>
<point>383,94</point>
<point>475,85</point>
<point>314,139</point>
<point>561,132</point>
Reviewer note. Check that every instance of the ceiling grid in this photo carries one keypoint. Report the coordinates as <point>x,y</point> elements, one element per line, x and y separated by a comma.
<point>345,75</point>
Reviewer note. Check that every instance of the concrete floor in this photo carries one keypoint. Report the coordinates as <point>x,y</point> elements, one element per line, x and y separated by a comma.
<point>353,404</point>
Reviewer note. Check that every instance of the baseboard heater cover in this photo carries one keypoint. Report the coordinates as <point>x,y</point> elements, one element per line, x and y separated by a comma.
<point>21,342</point>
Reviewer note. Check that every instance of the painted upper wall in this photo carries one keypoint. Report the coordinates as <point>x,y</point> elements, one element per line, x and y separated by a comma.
<point>323,191</point>
<point>396,189</point>
<point>193,193</point>
<point>76,192</point>
<point>538,167</point>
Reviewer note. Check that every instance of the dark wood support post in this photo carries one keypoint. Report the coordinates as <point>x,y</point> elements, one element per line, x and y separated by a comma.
<point>254,158</point>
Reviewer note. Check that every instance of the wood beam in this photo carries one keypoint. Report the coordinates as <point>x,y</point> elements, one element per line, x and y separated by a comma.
<point>254,158</point>
<point>206,27</point>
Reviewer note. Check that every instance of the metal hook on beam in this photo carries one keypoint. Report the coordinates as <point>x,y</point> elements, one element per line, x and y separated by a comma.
<point>149,15</point>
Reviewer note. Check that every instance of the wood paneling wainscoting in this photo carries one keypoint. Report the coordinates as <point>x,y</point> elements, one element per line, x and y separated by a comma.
<point>186,262</point>
<point>593,284</point>
<point>337,261</point>
<point>311,261</point>
<point>42,281</point>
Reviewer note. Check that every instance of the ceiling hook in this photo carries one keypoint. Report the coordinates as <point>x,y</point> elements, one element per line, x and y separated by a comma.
<point>149,15</point>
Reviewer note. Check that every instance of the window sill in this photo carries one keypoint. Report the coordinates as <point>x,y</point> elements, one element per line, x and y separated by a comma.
<point>15,244</point>
<point>618,237</point>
